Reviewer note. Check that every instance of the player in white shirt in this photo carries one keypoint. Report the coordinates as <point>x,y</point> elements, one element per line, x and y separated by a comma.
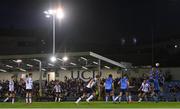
<point>11,90</point>
<point>29,87</point>
<point>57,89</point>
<point>144,89</point>
<point>89,89</point>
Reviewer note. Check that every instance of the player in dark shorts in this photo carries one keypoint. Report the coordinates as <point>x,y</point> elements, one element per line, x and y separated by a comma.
<point>58,90</point>
<point>144,90</point>
<point>89,89</point>
<point>11,90</point>
<point>156,88</point>
<point>124,85</point>
<point>109,88</point>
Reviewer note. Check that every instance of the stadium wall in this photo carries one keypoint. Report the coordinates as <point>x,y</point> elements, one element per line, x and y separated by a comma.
<point>86,75</point>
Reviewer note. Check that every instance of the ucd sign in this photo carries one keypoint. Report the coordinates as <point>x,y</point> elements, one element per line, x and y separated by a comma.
<point>84,74</point>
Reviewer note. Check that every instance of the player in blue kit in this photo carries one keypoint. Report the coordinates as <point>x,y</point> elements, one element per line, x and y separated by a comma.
<point>156,89</point>
<point>124,85</point>
<point>109,88</point>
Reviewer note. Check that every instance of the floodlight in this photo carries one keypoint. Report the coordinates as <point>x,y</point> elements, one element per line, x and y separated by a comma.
<point>43,69</point>
<point>50,64</point>
<point>53,59</point>
<point>63,68</point>
<point>175,46</point>
<point>83,58</point>
<point>59,13</point>
<point>9,66</point>
<point>73,64</point>
<point>65,58</point>
<point>22,69</point>
<point>95,63</point>
<point>84,67</point>
<point>29,65</point>
<point>107,67</point>
<point>2,70</point>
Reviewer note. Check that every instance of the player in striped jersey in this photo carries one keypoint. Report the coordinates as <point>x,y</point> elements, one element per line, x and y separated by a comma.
<point>89,89</point>
<point>144,89</point>
<point>11,90</point>
<point>57,89</point>
<point>29,87</point>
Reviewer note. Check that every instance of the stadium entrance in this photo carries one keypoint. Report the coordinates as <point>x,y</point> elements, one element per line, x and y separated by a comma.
<point>50,76</point>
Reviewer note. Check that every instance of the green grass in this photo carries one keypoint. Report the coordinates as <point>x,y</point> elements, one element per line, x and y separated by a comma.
<point>91,105</point>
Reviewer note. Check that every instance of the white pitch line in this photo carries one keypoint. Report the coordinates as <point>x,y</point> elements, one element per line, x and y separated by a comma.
<point>89,108</point>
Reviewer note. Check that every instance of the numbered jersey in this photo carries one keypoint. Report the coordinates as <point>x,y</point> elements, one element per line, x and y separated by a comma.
<point>57,88</point>
<point>92,83</point>
<point>29,83</point>
<point>11,85</point>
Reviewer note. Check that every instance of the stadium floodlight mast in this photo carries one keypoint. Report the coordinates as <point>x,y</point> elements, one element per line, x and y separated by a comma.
<point>54,13</point>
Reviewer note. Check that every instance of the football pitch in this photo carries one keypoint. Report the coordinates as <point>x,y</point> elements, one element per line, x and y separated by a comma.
<point>93,104</point>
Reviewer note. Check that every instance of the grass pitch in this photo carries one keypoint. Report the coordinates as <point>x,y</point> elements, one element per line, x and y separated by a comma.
<point>93,104</point>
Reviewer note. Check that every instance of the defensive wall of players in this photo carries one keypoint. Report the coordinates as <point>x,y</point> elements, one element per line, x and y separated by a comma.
<point>87,74</point>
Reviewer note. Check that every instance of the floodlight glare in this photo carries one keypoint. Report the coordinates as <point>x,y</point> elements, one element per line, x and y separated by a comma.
<point>45,12</point>
<point>59,13</point>
<point>175,46</point>
<point>65,58</point>
<point>48,16</point>
<point>53,59</point>
<point>51,11</point>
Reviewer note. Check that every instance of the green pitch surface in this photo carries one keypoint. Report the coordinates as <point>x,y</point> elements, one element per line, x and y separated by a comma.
<point>91,105</point>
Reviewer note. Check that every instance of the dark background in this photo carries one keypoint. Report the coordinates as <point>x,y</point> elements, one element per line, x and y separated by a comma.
<point>139,31</point>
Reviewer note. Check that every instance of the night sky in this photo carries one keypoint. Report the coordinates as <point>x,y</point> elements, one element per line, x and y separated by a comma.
<point>137,31</point>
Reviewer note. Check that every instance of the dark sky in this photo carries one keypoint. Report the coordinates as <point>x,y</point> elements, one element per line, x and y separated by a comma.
<point>120,29</point>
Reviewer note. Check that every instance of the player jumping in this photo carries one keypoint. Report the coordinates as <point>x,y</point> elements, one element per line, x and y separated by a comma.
<point>156,88</point>
<point>29,86</point>
<point>89,89</point>
<point>109,88</point>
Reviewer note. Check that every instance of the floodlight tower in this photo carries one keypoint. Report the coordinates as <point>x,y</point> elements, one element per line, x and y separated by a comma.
<point>59,14</point>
